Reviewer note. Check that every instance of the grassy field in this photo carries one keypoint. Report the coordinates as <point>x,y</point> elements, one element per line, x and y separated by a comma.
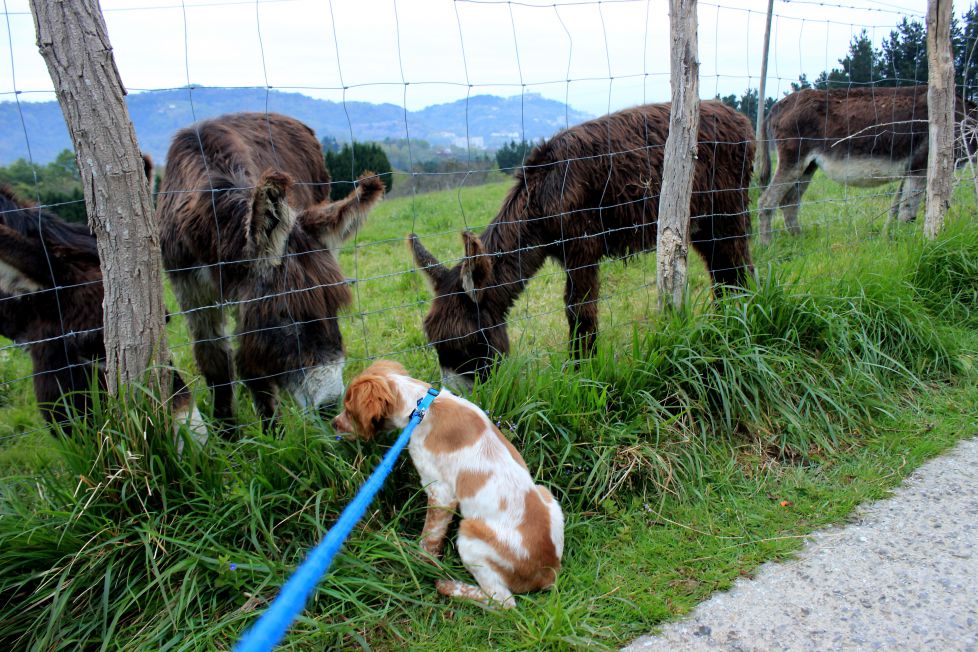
<point>693,447</point>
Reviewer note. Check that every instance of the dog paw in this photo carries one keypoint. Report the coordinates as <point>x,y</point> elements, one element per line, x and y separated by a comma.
<point>446,587</point>
<point>432,548</point>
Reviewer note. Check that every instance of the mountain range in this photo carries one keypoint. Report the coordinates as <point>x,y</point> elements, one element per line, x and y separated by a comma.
<point>489,121</point>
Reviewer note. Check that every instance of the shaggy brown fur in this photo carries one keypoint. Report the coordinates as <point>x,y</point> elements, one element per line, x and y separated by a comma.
<point>590,192</point>
<point>51,302</point>
<point>245,217</point>
<point>859,136</point>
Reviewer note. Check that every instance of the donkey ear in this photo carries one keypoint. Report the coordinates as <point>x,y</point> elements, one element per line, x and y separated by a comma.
<point>476,269</point>
<point>148,169</point>
<point>271,218</point>
<point>427,263</point>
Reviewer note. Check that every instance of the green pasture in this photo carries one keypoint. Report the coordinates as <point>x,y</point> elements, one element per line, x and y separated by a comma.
<point>695,445</point>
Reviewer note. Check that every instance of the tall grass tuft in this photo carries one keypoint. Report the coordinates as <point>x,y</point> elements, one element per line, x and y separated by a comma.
<point>130,541</point>
<point>946,275</point>
<point>126,543</point>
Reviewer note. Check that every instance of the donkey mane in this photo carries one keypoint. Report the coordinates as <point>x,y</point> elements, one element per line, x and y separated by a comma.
<point>37,223</point>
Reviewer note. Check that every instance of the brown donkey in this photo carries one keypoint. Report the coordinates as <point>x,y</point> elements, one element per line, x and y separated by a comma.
<point>590,192</point>
<point>857,136</point>
<point>51,303</point>
<point>247,222</point>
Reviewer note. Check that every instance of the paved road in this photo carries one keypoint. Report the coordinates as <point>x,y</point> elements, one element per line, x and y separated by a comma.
<point>903,576</point>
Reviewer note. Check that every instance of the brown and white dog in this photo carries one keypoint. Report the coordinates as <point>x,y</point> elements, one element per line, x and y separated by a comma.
<point>511,536</point>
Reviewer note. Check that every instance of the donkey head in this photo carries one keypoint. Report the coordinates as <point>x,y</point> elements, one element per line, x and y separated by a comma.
<point>39,251</point>
<point>465,324</point>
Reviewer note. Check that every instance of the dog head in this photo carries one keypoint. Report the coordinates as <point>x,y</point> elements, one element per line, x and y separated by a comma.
<point>371,399</point>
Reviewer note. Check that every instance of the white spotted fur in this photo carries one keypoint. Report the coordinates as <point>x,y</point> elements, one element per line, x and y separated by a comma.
<point>508,480</point>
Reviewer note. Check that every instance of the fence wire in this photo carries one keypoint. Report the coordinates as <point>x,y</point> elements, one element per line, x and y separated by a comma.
<point>390,297</point>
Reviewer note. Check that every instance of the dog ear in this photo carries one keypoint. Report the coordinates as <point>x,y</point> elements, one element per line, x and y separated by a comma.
<point>476,272</point>
<point>370,400</point>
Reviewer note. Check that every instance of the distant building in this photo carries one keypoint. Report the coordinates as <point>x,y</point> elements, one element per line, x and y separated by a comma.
<point>478,142</point>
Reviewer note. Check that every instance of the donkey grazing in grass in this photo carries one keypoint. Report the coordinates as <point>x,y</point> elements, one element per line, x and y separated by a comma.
<point>51,303</point>
<point>857,136</point>
<point>590,192</point>
<point>246,220</point>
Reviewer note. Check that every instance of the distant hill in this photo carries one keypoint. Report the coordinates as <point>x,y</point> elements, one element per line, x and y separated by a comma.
<point>492,121</point>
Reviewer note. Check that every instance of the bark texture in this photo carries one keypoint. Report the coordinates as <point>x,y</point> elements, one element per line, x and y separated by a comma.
<point>672,243</point>
<point>759,131</point>
<point>73,40</point>
<point>940,101</point>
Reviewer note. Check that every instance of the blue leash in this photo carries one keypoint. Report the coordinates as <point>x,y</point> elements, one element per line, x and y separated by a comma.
<point>291,600</point>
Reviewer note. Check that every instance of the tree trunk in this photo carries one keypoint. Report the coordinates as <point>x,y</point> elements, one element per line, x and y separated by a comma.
<point>672,244</point>
<point>762,91</point>
<point>940,108</point>
<point>73,40</point>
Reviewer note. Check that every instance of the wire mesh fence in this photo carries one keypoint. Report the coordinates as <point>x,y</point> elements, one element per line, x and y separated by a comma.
<point>274,284</point>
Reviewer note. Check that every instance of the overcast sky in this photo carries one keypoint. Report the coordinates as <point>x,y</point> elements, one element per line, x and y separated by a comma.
<point>421,52</point>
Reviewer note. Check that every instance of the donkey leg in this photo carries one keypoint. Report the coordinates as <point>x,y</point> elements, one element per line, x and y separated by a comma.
<point>908,198</point>
<point>773,196</point>
<point>581,306</point>
<point>724,246</point>
<point>791,203</point>
<point>258,374</point>
<point>895,206</point>
<point>185,412</point>
<point>212,351</point>
<point>264,394</point>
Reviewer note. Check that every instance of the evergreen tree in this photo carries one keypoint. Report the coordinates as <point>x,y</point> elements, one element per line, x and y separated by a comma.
<point>330,144</point>
<point>800,84</point>
<point>730,100</point>
<point>859,67</point>
<point>964,37</point>
<point>510,156</point>
<point>748,104</point>
<point>903,56</point>
<point>350,162</point>
<point>901,59</point>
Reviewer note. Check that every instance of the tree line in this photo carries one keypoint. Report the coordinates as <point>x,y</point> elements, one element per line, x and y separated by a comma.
<point>900,60</point>
<point>56,184</point>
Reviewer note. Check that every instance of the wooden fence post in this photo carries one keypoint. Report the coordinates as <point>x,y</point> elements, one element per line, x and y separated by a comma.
<point>74,42</point>
<point>672,243</point>
<point>762,91</point>
<point>940,108</point>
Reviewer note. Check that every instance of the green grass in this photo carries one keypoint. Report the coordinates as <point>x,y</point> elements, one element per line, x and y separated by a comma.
<point>692,447</point>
